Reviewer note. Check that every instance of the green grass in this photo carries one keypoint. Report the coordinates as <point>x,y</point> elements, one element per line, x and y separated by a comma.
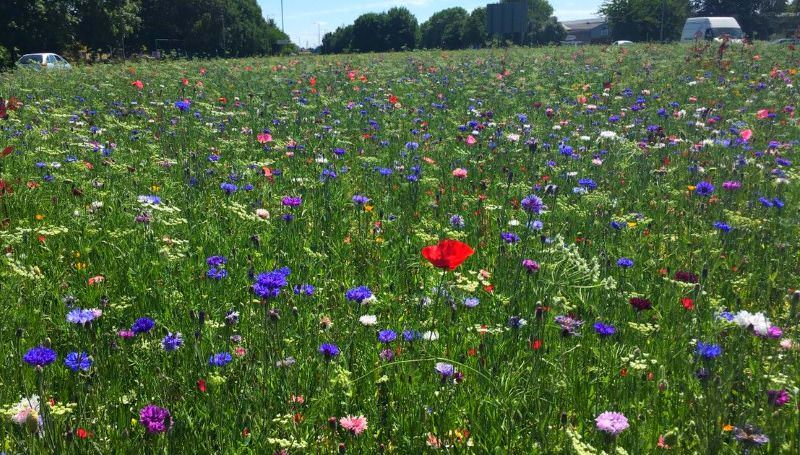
<point>513,398</point>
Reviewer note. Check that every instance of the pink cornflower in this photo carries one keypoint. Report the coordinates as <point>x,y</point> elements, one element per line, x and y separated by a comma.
<point>263,138</point>
<point>612,423</point>
<point>354,424</point>
<point>459,173</point>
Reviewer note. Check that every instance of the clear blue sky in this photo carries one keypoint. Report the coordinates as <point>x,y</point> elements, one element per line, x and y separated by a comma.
<point>303,18</point>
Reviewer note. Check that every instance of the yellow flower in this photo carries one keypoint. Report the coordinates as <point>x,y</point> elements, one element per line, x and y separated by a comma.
<point>727,428</point>
<point>80,265</point>
<point>368,208</point>
<point>691,187</point>
<point>155,188</point>
<point>134,422</point>
<point>39,217</point>
<point>379,240</point>
<point>631,224</point>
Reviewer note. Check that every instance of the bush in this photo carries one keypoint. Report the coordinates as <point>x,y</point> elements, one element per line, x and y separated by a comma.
<point>5,58</point>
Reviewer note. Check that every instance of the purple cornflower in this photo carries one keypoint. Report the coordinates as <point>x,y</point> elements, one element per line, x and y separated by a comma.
<point>359,294</point>
<point>569,325</point>
<point>40,356</point>
<point>445,370</point>
<point>750,435</point>
<point>387,336</point>
<point>704,189</point>
<point>142,325</point>
<point>220,359</point>
<point>509,237</point>
<point>216,261</point>
<point>471,302</point>
<point>731,185</point>
<point>83,317</point>
<point>155,419</point>
<point>530,265</point>
<point>612,423</point>
<point>329,350</point>
<point>532,204</point>
<point>778,397</point>
<point>269,284</point>
<point>457,221</point>
<point>360,200</point>
<point>291,201</point>
<point>172,342</point>
<point>183,105</point>
<point>603,329</point>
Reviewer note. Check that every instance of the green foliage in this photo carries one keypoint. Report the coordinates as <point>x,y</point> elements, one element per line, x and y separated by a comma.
<point>543,28</point>
<point>641,20</point>
<point>754,16</point>
<point>209,27</point>
<point>5,58</point>
<point>444,29</point>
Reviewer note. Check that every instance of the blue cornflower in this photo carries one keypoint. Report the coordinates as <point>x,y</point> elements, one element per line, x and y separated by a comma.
<point>587,183</point>
<point>304,289</point>
<point>216,261</point>
<point>387,336</point>
<point>411,335</point>
<point>360,200</point>
<point>722,226</point>
<point>777,203</point>
<point>339,151</point>
<point>604,330</point>
<point>708,350</point>
<point>269,284</point>
<point>704,189</point>
<point>228,188</point>
<point>217,274</point>
<point>471,302</point>
<point>220,359</point>
<point>765,202</point>
<point>358,294</point>
<point>329,350</point>
<point>183,105</point>
<point>149,199</point>
<point>509,237</point>
<point>536,225</point>
<point>385,171</point>
<point>172,342</point>
<point>625,263</point>
<point>617,225</point>
<point>532,204</point>
<point>78,361</point>
<point>142,325</point>
<point>457,221</point>
<point>81,316</point>
<point>40,356</point>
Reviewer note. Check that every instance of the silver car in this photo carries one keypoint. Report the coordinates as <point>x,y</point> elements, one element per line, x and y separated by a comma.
<point>43,61</point>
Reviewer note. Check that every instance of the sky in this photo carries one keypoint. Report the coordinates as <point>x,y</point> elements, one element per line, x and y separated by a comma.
<point>306,21</point>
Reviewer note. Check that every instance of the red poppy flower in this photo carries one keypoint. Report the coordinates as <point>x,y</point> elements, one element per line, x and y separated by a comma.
<point>81,433</point>
<point>536,345</point>
<point>687,303</point>
<point>201,385</point>
<point>447,254</point>
<point>7,151</point>
<point>392,99</point>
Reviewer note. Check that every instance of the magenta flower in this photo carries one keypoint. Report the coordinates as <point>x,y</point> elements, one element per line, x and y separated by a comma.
<point>155,419</point>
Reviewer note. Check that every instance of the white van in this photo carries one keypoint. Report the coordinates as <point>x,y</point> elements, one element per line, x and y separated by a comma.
<point>711,28</point>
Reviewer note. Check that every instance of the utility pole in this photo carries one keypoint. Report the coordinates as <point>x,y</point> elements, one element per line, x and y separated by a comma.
<point>284,31</point>
<point>663,6</point>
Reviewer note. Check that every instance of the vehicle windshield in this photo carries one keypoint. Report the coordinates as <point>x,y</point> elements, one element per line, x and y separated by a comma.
<point>27,59</point>
<point>733,32</point>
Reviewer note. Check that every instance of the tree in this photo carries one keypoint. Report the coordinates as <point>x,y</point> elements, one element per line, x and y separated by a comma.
<point>641,20</point>
<point>473,31</point>
<point>542,27</point>
<point>443,29</point>
<point>401,29</point>
<point>369,32</point>
<point>338,41</point>
<point>37,25</point>
<point>752,15</point>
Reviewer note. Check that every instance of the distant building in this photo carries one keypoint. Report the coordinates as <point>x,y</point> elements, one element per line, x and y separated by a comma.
<point>594,30</point>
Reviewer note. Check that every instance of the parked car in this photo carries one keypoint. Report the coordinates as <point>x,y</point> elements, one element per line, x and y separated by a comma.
<point>43,60</point>
<point>712,28</point>
<point>622,42</point>
<point>786,41</point>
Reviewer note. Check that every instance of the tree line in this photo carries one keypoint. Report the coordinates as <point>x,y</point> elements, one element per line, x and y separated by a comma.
<point>649,20</point>
<point>451,28</point>
<point>196,27</point>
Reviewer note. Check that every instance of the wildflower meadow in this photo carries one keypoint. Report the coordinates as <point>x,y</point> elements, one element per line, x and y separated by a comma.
<point>552,250</point>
